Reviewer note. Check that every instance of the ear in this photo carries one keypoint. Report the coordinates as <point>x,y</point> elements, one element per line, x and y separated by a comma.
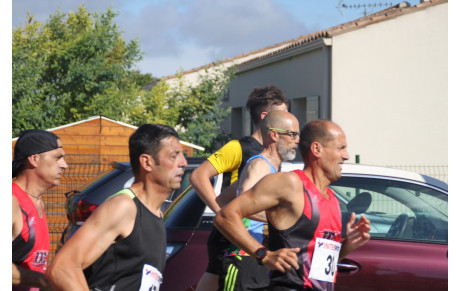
<point>316,149</point>
<point>262,114</point>
<point>34,160</point>
<point>146,162</point>
<point>273,135</point>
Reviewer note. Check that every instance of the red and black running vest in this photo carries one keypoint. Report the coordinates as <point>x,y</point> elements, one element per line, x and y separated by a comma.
<point>320,218</point>
<point>30,248</point>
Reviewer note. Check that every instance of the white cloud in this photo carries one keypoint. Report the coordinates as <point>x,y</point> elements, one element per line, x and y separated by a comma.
<point>211,29</point>
<point>215,29</point>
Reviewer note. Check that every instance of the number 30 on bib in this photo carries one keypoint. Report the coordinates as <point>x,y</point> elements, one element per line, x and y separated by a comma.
<point>324,262</point>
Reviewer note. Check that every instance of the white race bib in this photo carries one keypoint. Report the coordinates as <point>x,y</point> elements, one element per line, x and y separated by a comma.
<point>324,262</point>
<point>151,279</point>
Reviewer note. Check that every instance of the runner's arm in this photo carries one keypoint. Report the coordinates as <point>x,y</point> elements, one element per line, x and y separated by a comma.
<point>200,179</point>
<point>112,220</point>
<point>264,195</point>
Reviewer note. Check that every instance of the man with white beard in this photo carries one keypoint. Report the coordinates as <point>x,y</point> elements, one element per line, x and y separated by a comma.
<point>280,134</point>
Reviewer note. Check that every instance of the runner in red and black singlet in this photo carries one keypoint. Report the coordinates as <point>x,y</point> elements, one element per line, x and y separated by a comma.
<point>30,248</point>
<point>304,238</point>
<point>38,165</point>
<point>303,234</point>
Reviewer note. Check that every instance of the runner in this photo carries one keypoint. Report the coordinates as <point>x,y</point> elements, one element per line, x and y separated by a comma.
<point>303,215</point>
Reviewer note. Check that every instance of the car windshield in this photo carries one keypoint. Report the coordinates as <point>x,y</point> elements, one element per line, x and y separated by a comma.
<point>396,209</point>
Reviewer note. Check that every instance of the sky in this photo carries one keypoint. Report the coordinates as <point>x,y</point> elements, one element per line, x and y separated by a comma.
<point>184,34</point>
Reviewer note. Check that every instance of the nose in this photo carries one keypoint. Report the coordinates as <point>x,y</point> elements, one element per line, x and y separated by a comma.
<point>183,163</point>
<point>64,164</point>
<point>345,155</point>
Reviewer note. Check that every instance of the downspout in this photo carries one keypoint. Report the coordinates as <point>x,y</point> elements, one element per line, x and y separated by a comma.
<point>325,102</point>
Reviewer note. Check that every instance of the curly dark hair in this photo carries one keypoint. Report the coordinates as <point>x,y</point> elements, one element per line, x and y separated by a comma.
<point>262,97</point>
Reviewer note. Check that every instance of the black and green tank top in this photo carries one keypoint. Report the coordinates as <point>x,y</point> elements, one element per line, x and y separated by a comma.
<point>120,266</point>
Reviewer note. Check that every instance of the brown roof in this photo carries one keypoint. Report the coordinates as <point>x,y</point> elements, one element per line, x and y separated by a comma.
<point>386,14</point>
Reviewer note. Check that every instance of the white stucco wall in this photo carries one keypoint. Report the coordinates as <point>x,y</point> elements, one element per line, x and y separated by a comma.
<point>389,89</point>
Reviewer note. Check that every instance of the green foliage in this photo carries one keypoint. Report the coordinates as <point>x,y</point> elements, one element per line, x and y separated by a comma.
<point>195,111</point>
<point>200,108</point>
<point>77,65</point>
<point>152,107</point>
<point>64,69</point>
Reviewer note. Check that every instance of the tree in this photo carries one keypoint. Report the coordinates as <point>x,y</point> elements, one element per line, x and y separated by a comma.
<point>200,108</point>
<point>196,111</point>
<point>77,65</point>
<point>72,67</point>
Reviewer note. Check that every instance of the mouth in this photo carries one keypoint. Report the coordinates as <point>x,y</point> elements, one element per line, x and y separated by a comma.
<point>179,175</point>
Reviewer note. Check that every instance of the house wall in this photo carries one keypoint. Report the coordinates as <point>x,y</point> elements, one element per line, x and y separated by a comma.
<point>389,89</point>
<point>299,74</point>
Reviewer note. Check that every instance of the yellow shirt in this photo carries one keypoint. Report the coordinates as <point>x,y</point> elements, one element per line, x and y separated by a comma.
<point>228,159</point>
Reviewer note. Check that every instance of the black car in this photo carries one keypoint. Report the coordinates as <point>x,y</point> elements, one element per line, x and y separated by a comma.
<point>80,204</point>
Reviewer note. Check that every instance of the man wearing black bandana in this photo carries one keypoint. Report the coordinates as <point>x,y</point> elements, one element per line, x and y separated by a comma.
<point>37,166</point>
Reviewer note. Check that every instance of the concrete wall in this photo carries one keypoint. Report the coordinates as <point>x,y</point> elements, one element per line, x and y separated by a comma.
<point>389,89</point>
<point>299,74</point>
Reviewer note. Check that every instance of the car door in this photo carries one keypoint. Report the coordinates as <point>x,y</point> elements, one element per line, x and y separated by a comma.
<point>408,245</point>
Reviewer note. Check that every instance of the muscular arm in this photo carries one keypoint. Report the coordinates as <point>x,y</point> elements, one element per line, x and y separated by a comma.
<point>113,220</point>
<point>266,194</point>
<point>252,173</point>
<point>200,179</point>
<point>226,159</point>
<point>21,276</point>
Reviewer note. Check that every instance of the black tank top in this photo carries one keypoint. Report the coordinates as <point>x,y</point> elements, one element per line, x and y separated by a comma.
<point>120,266</point>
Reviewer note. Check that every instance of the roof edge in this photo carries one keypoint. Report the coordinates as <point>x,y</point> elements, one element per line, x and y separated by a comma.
<point>401,8</point>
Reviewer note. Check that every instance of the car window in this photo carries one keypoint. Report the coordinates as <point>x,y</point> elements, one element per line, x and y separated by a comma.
<point>186,211</point>
<point>397,209</point>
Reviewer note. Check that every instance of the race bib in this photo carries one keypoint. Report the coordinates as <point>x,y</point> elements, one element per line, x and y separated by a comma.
<point>324,262</point>
<point>151,279</point>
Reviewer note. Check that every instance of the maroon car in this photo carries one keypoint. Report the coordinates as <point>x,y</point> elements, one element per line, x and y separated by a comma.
<point>408,214</point>
<point>408,246</point>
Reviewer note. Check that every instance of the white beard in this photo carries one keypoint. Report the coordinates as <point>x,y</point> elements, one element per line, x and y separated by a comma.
<point>286,153</point>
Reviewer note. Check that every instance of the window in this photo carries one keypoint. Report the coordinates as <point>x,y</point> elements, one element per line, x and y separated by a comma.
<point>305,108</point>
<point>396,209</point>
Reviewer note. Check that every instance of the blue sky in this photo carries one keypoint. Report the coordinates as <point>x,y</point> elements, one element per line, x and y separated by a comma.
<point>184,34</point>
